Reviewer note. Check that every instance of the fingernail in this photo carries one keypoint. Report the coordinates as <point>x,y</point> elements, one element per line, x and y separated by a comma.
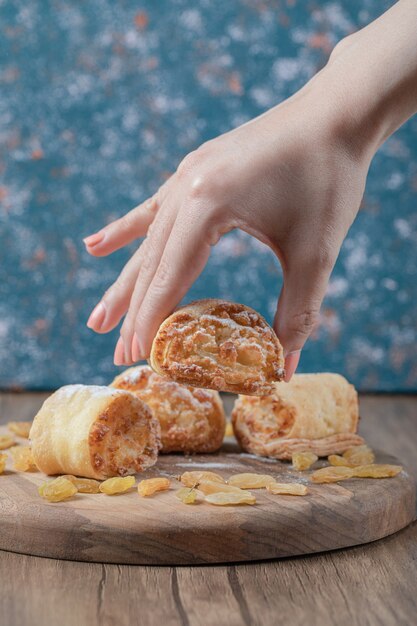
<point>96,319</point>
<point>119,352</point>
<point>291,363</point>
<point>93,240</point>
<point>136,349</point>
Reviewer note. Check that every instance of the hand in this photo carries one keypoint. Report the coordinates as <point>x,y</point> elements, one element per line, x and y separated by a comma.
<point>286,178</point>
<point>293,178</point>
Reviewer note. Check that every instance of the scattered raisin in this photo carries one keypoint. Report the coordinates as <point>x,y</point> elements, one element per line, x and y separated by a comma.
<point>59,489</point>
<point>191,479</point>
<point>331,474</point>
<point>187,495</point>
<point>113,486</point>
<point>303,460</point>
<point>229,432</point>
<point>6,441</point>
<point>338,461</point>
<point>23,459</point>
<point>21,429</point>
<point>359,455</point>
<point>150,486</point>
<point>250,481</point>
<point>84,485</point>
<point>376,471</point>
<point>287,489</point>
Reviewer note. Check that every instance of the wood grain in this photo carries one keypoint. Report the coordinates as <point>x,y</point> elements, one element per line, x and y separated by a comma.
<point>369,585</point>
<point>160,530</point>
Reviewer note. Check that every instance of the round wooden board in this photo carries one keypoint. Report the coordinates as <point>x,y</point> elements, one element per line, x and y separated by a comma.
<point>160,530</point>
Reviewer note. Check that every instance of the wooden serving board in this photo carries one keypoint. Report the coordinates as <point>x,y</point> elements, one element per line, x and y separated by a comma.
<point>160,530</point>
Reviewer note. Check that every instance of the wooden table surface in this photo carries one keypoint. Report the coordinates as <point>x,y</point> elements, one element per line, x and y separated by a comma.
<point>371,585</point>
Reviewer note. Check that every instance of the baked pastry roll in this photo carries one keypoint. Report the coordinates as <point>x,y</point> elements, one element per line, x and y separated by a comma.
<point>219,345</point>
<point>313,412</point>
<point>95,432</point>
<point>191,419</point>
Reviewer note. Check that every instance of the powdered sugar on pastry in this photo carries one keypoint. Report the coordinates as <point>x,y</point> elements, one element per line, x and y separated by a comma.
<point>192,420</point>
<point>314,412</point>
<point>219,345</point>
<point>95,391</point>
<point>95,432</point>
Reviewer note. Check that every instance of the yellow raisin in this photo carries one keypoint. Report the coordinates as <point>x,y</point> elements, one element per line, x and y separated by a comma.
<point>150,486</point>
<point>230,499</point>
<point>23,459</point>
<point>376,471</point>
<point>187,495</point>
<point>250,481</point>
<point>229,432</point>
<point>84,485</point>
<point>303,460</point>
<point>113,486</point>
<point>3,459</point>
<point>6,441</point>
<point>287,489</point>
<point>337,460</point>
<point>331,474</point>
<point>359,455</point>
<point>59,489</point>
<point>191,479</point>
<point>21,429</point>
<point>207,486</point>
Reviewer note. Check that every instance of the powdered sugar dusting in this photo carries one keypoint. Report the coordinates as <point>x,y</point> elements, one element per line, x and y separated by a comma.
<point>258,458</point>
<point>94,390</point>
<point>206,465</point>
<point>193,397</point>
<point>132,375</point>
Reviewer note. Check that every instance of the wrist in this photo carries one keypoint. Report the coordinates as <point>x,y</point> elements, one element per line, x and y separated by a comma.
<point>355,115</point>
<point>371,79</point>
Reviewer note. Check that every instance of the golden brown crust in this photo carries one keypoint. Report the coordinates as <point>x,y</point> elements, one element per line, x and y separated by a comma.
<point>95,432</point>
<point>314,412</point>
<point>192,420</point>
<point>219,345</point>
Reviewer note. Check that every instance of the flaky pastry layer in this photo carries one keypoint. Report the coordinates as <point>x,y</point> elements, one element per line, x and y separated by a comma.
<point>192,420</point>
<point>314,412</point>
<point>219,345</point>
<point>96,432</point>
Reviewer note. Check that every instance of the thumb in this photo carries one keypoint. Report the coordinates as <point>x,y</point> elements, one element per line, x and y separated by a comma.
<point>298,310</point>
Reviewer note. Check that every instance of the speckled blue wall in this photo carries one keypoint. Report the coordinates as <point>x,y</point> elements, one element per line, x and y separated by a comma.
<point>100,100</point>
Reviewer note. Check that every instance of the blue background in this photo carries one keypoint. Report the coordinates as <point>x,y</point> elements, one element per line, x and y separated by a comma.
<point>101,99</point>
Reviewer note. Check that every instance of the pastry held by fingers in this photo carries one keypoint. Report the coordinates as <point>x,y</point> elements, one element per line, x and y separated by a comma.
<point>313,412</point>
<point>96,432</point>
<point>218,345</point>
<point>192,420</point>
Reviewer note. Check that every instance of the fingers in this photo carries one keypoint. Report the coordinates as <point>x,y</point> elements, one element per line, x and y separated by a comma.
<point>119,358</point>
<point>115,302</point>
<point>123,231</point>
<point>183,259</point>
<point>298,308</point>
<point>131,226</point>
<point>151,253</point>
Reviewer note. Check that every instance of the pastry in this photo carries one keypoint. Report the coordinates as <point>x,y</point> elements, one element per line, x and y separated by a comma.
<point>313,412</point>
<point>191,419</point>
<point>94,432</point>
<point>218,345</point>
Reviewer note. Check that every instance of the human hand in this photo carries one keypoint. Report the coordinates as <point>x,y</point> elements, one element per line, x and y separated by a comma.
<point>286,178</point>
<point>293,178</point>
